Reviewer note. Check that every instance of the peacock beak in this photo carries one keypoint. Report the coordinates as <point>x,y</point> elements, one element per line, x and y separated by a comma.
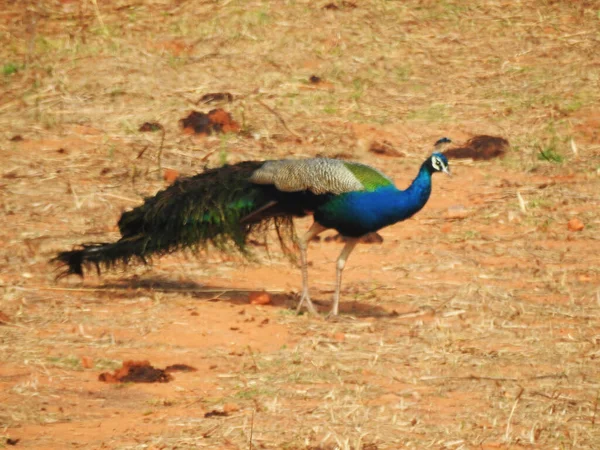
<point>446,170</point>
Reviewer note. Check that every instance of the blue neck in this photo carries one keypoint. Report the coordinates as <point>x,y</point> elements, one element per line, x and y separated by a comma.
<point>404,204</point>
<point>418,192</point>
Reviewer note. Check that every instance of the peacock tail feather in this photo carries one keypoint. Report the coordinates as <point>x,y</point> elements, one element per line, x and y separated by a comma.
<point>215,207</point>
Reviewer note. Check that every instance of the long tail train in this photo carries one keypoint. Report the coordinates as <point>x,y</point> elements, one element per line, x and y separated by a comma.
<point>219,206</point>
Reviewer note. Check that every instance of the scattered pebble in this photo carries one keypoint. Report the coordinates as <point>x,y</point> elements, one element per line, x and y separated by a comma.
<point>339,337</point>
<point>575,224</point>
<point>170,175</point>
<point>150,127</point>
<point>259,298</point>
<point>87,362</point>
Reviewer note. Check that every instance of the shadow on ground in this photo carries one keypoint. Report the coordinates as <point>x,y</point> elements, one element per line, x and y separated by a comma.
<point>129,288</point>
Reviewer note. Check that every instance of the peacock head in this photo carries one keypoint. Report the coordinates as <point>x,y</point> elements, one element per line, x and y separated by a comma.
<point>439,163</point>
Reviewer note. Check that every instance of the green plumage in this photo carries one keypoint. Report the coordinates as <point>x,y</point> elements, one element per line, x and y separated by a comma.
<point>369,177</point>
<point>211,207</point>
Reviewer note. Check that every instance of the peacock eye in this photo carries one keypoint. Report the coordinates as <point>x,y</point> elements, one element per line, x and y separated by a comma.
<point>435,162</point>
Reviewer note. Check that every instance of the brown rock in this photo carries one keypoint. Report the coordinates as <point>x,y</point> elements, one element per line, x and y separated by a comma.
<point>339,337</point>
<point>447,228</point>
<point>170,175</point>
<point>575,224</point>
<point>87,362</point>
<point>259,298</point>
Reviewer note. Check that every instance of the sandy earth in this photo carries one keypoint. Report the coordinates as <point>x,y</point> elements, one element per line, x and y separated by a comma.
<point>474,324</point>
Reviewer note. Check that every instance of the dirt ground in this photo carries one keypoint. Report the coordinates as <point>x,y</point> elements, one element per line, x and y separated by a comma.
<point>474,325</point>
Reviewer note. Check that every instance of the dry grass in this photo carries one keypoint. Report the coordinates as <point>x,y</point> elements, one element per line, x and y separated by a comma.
<point>457,333</point>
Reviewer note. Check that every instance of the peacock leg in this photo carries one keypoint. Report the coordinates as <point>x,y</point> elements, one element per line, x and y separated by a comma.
<point>313,231</point>
<point>341,262</point>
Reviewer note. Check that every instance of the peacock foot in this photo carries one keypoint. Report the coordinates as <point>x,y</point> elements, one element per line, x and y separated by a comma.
<point>305,300</point>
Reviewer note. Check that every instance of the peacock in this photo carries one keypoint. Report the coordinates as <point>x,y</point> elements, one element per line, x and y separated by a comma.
<point>224,206</point>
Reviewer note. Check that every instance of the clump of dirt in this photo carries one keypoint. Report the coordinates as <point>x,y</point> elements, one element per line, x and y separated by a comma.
<point>170,175</point>
<point>215,413</point>
<point>150,127</point>
<point>316,82</point>
<point>481,147</point>
<point>180,368</point>
<point>575,224</point>
<point>384,148</point>
<point>216,121</point>
<point>340,5</point>
<point>216,97</point>
<point>143,372</point>
<point>259,298</point>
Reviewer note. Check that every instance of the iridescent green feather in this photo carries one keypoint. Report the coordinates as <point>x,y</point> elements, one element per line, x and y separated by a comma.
<point>370,178</point>
<point>208,208</point>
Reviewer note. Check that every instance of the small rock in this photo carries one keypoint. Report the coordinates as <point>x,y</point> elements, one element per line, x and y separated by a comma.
<point>447,228</point>
<point>575,224</point>
<point>339,337</point>
<point>170,175</point>
<point>259,298</point>
<point>150,127</point>
<point>87,362</point>
<point>229,408</point>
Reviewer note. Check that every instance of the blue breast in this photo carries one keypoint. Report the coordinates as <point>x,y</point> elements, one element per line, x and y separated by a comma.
<point>357,213</point>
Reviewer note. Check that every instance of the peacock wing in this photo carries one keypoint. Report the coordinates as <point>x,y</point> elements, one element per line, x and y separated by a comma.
<point>319,176</point>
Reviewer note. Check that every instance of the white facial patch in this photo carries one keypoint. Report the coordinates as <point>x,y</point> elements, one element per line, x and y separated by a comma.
<point>437,163</point>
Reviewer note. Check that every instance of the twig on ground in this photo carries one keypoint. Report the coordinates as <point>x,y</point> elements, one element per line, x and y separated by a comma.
<point>276,114</point>
<point>512,411</point>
